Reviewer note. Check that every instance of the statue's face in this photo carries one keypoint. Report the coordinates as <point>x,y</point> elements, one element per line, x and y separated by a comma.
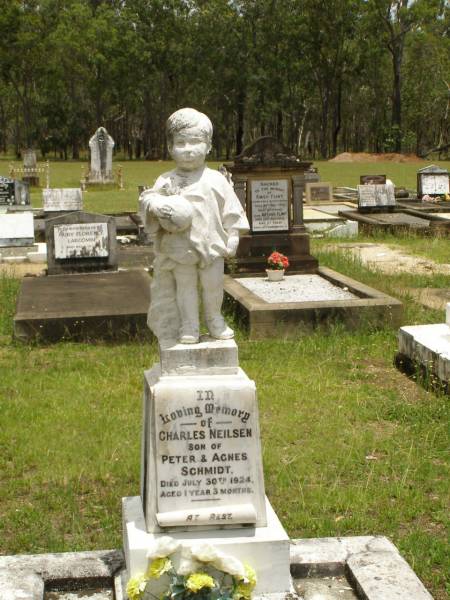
<point>189,149</point>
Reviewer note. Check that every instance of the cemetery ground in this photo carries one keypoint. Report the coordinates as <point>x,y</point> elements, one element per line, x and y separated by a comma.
<point>351,446</point>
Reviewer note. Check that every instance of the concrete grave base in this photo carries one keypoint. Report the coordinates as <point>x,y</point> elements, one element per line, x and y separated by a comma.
<point>397,220</point>
<point>426,347</point>
<point>83,306</point>
<point>265,548</point>
<point>289,319</point>
<point>372,566</point>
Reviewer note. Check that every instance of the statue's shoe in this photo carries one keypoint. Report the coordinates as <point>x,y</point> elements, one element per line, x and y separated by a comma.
<point>219,329</point>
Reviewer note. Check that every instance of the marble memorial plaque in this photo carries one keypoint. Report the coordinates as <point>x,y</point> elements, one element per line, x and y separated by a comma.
<point>318,192</point>
<point>81,240</point>
<point>435,184</point>
<point>270,204</point>
<point>375,195</point>
<point>61,199</point>
<point>17,229</point>
<point>207,455</point>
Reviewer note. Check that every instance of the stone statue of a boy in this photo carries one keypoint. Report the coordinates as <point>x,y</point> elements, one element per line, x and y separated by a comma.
<point>195,219</point>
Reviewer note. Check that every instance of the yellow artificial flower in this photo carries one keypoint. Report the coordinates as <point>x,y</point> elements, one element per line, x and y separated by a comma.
<point>246,586</point>
<point>198,581</point>
<point>158,567</point>
<point>136,587</point>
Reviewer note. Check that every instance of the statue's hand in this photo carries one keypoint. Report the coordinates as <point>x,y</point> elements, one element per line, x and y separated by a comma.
<point>164,212</point>
<point>232,243</point>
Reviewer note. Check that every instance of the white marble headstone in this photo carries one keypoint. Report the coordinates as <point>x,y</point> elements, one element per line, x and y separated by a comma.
<point>376,195</point>
<point>16,229</point>
<point>101,145</point>
<point>62,199</point>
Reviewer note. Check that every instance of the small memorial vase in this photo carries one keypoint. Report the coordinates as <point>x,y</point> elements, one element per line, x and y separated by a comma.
<point>275,274</point>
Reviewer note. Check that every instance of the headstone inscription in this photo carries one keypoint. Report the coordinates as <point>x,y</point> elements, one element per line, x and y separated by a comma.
<point>80,242</point>
<point>101,145</point>
<point>372,195</point>
<point>432,181</point>
<point>16,229</point>
<point>62,199</point>
<point>270,204</point>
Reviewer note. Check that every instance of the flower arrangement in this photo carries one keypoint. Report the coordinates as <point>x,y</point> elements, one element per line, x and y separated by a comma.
<point>277,261</point>
<point>202,572</point>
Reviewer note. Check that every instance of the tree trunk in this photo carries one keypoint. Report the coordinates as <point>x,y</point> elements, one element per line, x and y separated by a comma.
<point>240,122</point>
<point>397,57</point>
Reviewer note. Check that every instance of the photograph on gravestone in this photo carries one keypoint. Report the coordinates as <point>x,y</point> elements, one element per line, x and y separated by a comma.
<point>379,179</point>
<point>62,199</point>
<point>318,191</point>
<point>269,205</point>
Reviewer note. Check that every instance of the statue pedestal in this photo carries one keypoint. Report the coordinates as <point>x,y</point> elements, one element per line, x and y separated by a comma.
<point>201,468</point>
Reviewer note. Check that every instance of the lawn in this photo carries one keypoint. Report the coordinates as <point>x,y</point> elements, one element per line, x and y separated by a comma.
<point>68,174</point>
<point>350,445</point>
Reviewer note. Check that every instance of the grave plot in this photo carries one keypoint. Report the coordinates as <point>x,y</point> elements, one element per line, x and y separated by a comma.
<point>395,221</point>
<point>302,302</point>
<point>324,222</point>
<point>83,295</point>
<point>426,348</point>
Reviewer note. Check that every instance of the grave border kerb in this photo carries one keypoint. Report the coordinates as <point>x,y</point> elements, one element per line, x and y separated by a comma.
<point>372,563</point>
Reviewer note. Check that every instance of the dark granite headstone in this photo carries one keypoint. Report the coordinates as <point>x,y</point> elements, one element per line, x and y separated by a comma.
<point>7,191</point>
<point>81,242</point>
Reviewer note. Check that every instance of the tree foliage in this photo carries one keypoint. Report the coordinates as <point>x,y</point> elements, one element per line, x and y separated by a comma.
<point>323,76</point>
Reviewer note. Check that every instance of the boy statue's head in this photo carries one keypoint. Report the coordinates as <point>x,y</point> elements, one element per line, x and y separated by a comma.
<point>189,135</point>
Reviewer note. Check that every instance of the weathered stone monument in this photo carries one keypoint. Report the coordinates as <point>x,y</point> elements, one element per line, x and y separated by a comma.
<point>62,199</point>
<point>270,183</point>
<point>432,181</point>
<point>30,172</point>
<point>101,146</point>
<point>201,472</point>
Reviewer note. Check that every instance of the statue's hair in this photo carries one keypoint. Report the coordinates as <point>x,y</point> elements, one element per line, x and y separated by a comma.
<point>185,118</point>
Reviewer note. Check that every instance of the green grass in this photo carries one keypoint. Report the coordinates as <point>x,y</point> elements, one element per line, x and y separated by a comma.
<point>350,445</point>
<point>68,174</point>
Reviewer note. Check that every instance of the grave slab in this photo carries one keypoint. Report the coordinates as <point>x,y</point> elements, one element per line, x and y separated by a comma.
<point>83,306</point>
<point>426,347</point>
<point>292,318</point>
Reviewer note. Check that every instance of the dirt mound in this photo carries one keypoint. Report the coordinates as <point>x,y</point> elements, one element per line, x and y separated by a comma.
<point>368,157</point>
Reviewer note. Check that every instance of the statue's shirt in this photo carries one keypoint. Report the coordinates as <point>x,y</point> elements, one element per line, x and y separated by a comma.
<point>216,211</point>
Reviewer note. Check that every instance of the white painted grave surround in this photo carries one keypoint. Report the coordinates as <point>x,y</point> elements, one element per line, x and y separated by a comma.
<point>270,204</point>
<point>16,229</point>
<point>61,199</point>
<point>80,240</point>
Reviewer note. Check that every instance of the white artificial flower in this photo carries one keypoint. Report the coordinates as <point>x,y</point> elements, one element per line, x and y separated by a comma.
<point>218,559</point>
<point>187,564</point>
<point>162,547</point>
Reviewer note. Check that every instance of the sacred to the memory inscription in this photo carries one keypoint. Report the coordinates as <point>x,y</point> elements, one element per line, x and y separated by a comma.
<point>270,205</point>
<point>208,456</point>
<point>81,240</point>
